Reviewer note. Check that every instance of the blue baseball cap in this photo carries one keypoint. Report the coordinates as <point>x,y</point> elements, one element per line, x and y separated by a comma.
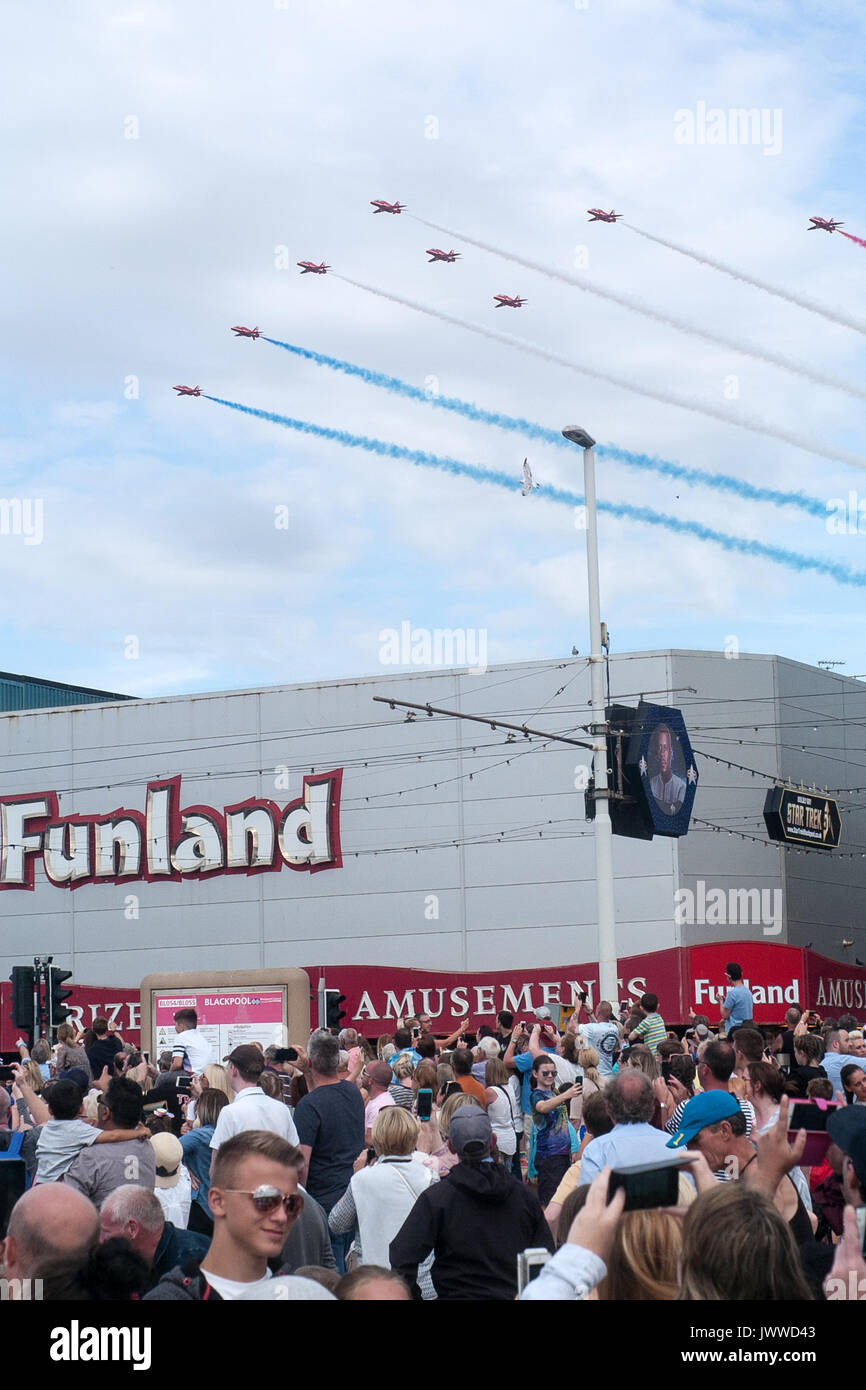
<point>706,1109</point>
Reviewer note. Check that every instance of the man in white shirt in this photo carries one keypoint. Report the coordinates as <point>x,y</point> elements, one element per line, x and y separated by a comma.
<point>191,1051</point>
<point>602,1034</point>
<point>251,1108</point>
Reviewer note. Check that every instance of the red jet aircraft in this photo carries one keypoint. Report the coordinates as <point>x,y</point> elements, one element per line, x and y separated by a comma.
<point>436,255</point>
<point>599,215</point>
<point>379,205</point>
<point>240,332</point>
<point>509,301</point>
<point>310,267</point>
<point>187,390</point>
<point>823,224</point>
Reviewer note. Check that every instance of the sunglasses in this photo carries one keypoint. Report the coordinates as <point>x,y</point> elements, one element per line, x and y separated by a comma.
<point>269,1198</point>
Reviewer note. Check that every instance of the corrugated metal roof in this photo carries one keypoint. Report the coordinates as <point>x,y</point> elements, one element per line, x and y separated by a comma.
<point>29,692</point>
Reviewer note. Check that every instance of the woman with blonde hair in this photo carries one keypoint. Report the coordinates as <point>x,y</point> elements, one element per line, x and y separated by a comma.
<point>216,1077</point>
<point>380,1197</point>
<point>587,1060</point>
<point>644,1257</point>
<point>401,1090</point>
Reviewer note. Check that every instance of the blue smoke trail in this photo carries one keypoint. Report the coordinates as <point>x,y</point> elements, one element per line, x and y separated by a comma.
<point>694,477</point>
<point>790,559</point>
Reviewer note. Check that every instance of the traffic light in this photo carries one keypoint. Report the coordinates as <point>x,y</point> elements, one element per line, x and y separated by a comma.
<point>57,1010</point>
<point>334,1015</point>
<point>23,979</point>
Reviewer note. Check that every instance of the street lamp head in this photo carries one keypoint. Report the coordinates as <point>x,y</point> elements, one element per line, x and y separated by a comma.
<point>578,436</point>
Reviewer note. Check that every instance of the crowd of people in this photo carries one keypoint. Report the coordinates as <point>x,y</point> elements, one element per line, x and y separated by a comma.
<point>611,1157</point>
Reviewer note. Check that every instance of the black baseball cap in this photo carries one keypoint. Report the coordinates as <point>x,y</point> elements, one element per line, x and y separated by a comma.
<point>847,1129</point>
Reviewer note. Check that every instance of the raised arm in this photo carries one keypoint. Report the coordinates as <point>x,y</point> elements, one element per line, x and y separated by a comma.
<point>35,1104</point>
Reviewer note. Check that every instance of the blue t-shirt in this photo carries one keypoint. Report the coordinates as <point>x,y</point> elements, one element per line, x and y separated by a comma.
<point>406,1052</point>
<point>739,1000</point>
<point>552,1130</point>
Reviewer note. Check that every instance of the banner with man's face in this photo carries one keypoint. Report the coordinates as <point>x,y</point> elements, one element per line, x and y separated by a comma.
<point>667,778</point>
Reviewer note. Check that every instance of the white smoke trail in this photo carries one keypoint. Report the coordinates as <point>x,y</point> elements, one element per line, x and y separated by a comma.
<point>637,306</point>
<point>837,316</point>
<point>746,422</point>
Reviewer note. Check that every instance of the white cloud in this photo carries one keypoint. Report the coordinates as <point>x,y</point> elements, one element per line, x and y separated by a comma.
<point>261,127</point>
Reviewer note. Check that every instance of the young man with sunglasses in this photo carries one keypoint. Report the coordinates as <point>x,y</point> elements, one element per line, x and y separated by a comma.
<point>254,1200</point>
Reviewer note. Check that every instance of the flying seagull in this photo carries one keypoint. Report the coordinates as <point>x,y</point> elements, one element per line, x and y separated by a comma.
<point>528,484</point>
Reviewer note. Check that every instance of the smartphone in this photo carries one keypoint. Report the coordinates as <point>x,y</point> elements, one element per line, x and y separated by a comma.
<point>805,1114</point>
<point>567,1085</point>
<point>424,1107</point>
<point>286,1054</point>
<point>6,1077</point>
<point>666,1069</point>
<point>808,1115</point>
<point>530,1264</point>
<point>146,1056</point>
<point>860,1213</point>
<point>784,1061</point>
<point>650,1184</point>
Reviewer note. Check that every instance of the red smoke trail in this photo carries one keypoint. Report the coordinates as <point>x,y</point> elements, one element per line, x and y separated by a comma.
<point>850,237</point>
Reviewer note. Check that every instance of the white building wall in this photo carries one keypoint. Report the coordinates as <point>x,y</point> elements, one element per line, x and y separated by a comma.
<point>518,892</point>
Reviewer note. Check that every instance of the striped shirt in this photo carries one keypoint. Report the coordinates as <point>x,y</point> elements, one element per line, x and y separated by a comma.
<point>651,1031</point>
<point>675,1120</point>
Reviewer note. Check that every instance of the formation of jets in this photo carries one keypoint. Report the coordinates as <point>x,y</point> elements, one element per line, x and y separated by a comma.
<point>187,390</point>
<point>311,268</point>
<point>599,215</point>
<point>241,332</point>
<point>823,224</point>
<point>379,205</point>
<point>436,255</point>
<point>509,301</point>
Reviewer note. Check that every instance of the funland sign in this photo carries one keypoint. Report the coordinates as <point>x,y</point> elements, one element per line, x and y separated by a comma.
<point>166,841</point>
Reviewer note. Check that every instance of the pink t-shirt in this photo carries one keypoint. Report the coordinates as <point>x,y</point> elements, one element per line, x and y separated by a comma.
<point>373,1107</point>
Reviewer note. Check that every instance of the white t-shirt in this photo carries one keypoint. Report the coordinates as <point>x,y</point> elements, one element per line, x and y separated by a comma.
<point>252,1109</point>
<point>175,1201</point>
<point>604,1037</point>
<point>233,1288</point>
<point>194,1048</point>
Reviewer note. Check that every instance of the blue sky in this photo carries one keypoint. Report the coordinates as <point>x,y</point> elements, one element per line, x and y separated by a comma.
<point>258,127</point>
